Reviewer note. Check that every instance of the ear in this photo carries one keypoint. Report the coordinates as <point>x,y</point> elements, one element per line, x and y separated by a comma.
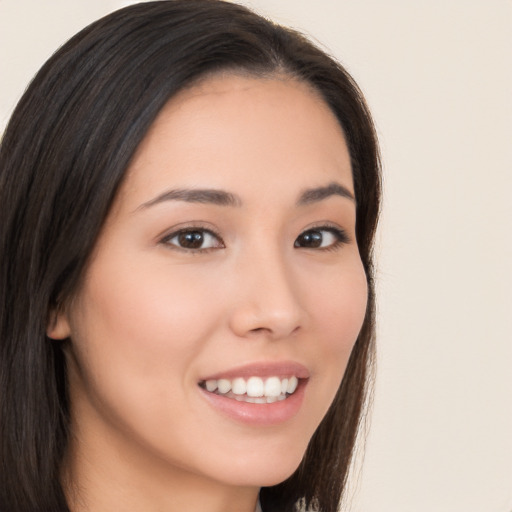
<point>58,325</point>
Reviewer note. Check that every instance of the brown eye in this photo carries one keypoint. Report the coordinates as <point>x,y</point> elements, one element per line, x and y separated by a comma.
<point>321,238</point>
<point>191,239</point>
<point>310,239</point>
<point>194,240</point>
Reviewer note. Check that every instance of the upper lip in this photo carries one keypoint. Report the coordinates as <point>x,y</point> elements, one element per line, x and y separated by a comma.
<point>263,369</point>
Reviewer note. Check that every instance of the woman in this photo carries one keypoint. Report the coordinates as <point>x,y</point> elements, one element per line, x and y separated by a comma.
<point>187,298</point>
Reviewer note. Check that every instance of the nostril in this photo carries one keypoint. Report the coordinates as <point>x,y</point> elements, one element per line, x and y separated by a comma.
<point>273,332</point>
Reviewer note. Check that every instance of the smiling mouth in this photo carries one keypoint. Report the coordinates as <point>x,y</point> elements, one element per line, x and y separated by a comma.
<point>254,390</point>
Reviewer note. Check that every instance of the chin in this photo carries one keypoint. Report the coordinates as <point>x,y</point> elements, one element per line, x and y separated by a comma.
<point>263,471</point>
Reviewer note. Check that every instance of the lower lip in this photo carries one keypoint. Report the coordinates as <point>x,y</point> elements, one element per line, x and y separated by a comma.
<point>259,414</point>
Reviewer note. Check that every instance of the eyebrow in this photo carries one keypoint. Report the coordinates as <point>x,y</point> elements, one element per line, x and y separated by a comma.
<point>314,195</point>
<point>223,198</point>
<point>207,196</point>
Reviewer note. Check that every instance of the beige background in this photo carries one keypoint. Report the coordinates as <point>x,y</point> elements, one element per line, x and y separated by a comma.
<point>438,76</point>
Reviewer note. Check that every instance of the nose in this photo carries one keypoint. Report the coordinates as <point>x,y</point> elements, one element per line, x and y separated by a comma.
<point>267,302</point>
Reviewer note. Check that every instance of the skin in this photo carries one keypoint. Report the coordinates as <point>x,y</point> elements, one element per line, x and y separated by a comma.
<point>152,319</point>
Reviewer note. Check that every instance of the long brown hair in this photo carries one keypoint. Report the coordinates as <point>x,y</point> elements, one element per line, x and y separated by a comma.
<point>62,159</point>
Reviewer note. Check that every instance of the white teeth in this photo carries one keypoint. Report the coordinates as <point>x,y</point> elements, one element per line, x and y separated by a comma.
<point>224,386</point>
<point>239,387</point>
<point>292,385</point>
<point>211,385</point>
<point>254,389</point>
<point>273,387</point>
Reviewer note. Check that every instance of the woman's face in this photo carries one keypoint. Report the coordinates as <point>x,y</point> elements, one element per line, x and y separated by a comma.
<point>227,267</point>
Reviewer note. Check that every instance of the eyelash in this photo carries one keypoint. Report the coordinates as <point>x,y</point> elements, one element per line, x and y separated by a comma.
<point>341,238</point>
<point>340,235</point>
<point>189,230</point>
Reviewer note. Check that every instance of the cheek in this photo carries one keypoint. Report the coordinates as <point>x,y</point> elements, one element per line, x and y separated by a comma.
<point>148,308</point>
<point>138,332</point>
<point>340,307</point>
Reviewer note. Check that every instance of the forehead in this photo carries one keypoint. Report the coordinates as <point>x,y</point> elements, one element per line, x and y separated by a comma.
<point>233,130</point>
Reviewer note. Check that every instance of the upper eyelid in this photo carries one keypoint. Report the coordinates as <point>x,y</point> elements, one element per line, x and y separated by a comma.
<point>343,235</point>
<point>328,226</point>
<point>193,226</point>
